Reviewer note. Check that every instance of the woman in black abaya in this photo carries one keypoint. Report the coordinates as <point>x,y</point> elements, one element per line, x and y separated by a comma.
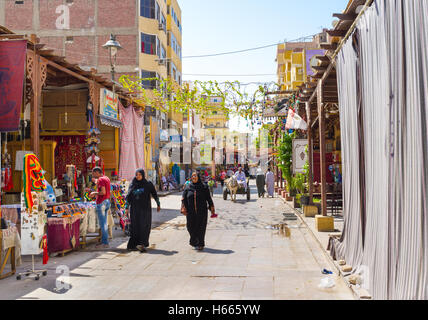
<point>195,202</point>
<point>139,199</point>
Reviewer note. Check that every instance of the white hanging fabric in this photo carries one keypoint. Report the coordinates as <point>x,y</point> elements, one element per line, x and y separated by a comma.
<point>385,149</point>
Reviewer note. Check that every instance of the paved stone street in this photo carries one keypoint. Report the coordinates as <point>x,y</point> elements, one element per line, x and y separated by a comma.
<point>245,258</point>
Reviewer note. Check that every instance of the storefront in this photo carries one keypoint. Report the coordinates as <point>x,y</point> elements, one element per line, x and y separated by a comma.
<point>65,121</point>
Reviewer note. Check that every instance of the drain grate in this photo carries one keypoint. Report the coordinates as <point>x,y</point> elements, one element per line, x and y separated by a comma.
<point>290,216</point>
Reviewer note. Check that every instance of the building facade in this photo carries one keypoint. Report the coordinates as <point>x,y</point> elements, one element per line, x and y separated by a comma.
<point>295,60</point>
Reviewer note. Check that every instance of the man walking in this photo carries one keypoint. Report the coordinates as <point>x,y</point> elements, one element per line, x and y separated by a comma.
<point>103,203</point>
<point>270,183</point>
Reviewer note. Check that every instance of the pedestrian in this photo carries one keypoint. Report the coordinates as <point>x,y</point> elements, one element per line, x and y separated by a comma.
<point>222,177</point>
<point>102,196</point>
<point>139,199</point>
<point>195,201</point>
<point>261,182</point>
<point>270,183</point>
<point>211,184</point>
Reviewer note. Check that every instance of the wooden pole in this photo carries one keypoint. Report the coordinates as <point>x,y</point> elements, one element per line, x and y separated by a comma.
<point>34,68</point>
<point>321,115</point>
<point>310,153</point>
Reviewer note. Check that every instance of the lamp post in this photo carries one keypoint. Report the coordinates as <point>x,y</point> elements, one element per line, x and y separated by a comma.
<point>113,46</point>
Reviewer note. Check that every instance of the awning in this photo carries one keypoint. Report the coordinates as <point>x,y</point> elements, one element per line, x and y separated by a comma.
<point>111,122</point>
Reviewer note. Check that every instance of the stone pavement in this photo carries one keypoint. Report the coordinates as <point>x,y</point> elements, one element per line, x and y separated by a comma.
<point>246,258</point>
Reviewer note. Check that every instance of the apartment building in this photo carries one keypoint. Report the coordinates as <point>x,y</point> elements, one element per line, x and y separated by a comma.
<point>295,60</point>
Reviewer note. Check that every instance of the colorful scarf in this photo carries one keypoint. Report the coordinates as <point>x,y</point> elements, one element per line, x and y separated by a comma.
<point>33,178</point>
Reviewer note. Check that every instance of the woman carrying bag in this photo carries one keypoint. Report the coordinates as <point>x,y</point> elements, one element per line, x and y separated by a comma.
<point>139,198</point>
<point>195,202</point>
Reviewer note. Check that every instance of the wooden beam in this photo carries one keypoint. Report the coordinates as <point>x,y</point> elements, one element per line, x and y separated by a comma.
<point>345,17</point>
<point>321,117</point>
<point>323,58</point>
<point>317,68</point>
<point>337,33</point>
<point>310,153</point>
<point>329,46</point>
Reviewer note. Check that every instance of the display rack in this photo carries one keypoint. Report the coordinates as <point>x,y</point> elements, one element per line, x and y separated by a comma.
<point>10,254</point>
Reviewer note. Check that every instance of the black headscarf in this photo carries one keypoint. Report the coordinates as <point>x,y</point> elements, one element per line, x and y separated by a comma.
<point>138,184</point>
<point>198,185</point>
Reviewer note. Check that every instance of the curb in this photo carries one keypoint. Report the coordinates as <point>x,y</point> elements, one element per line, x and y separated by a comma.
<point>329,258</point>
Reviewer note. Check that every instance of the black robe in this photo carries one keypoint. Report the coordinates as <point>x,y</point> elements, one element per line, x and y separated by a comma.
<point>139,198</point>
<point>261,182</point>
<point>197,216</point>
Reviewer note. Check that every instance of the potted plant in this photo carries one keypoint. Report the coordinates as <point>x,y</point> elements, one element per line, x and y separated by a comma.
<point>296,201</point>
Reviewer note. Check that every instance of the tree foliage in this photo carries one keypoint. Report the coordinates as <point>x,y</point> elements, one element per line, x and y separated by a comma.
<point>170,96</point>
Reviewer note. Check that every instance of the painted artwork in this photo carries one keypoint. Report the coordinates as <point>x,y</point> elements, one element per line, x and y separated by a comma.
<point>300,157</point>
<point>12,70</point>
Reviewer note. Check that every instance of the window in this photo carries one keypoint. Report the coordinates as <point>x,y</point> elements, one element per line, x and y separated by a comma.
<point>148,84</point>
<point>172,41</point>
<point>163,22</point>
<point>148,43</point>
<point>158,12</point>
<point>175,18</point>
<point>148,8</point>
<point>163,53</point>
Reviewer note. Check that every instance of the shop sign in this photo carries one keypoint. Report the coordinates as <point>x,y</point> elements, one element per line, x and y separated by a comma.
<point>300,157</point>
<point>109,104</point>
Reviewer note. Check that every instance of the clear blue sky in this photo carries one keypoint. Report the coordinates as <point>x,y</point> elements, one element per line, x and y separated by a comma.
<point>212,26</point>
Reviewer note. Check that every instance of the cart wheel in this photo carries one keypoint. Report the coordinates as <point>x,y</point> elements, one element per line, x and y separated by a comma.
<point>37,278</point>
<point>18,277</point>
<point>225,194</point>
<point>45,273</point>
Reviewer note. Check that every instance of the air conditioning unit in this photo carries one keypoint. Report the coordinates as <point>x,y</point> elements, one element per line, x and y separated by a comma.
<point>161,26</point>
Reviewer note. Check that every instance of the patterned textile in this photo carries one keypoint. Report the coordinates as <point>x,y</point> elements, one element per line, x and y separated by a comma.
<point>33,178</point>
<point>69,150</point>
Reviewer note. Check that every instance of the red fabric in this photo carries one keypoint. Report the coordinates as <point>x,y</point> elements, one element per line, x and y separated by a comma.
<point>103,182</point>
<point>45,249</point>
<point>131,143</point>
<point>69,150</point>
<point>59,237</point>
<point>12,67</point>
<point>317,167</point>
<point>8,180</point>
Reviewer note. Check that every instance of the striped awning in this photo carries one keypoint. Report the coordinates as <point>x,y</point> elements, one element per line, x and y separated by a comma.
<point>111,122</point>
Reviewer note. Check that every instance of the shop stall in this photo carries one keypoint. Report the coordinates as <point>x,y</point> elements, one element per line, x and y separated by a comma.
<point>68,119</point>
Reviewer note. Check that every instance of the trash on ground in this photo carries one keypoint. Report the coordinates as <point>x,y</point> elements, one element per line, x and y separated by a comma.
<point>327,283</point>
<point>325,271</point>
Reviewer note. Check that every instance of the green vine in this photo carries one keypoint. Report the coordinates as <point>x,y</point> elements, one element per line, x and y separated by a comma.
<point>170,96</point>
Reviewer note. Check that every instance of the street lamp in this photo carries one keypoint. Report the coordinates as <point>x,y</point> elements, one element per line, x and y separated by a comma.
<point>113,46</point>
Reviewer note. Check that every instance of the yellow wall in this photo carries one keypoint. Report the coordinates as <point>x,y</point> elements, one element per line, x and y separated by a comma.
<point>291,68</point>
